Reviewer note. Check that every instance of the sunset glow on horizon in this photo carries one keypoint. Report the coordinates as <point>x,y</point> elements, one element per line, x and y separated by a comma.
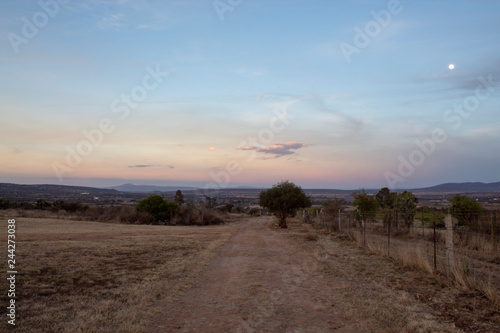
<point>325,94</point>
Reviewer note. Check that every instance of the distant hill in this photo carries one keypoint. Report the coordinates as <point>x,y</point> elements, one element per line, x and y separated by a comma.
<point>132,193</point>
<point>49,188</point>
<point>461,188</point>
<point>54,192</point>
<point>150,188</point>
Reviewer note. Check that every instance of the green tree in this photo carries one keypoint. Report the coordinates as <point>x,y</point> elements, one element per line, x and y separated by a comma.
<point>172,209</point>
<point>466,210</point>
<point>407,206</point>
<point>156,206</point>
<point>179,197</point>
<point>366,205</point>
<point>366,208</point>
<point>386,198</point>
<point>283,200</point>
<point>386,201</point>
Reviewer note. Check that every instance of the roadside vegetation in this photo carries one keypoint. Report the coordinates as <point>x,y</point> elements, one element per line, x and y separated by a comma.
<point>152,210</point>
<point>393,226</point>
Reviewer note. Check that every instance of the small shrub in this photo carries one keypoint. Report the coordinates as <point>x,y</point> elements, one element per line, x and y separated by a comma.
<point>197,215</point>
<point>255,211</point>
<point>211,217</point>
<point>238,210</point>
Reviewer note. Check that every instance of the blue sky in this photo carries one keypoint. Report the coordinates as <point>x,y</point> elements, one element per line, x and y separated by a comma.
<point>327,94</point>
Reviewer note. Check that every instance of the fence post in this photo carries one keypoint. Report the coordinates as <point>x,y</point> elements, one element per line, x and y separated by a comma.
<point>339,222</point>
<point>389,236</point>
<point>422,221</point>
<point>365,219</point>
<point>364,232</point>
<point>448,220</point>
<point>493,229</point>
<point>435,252</point>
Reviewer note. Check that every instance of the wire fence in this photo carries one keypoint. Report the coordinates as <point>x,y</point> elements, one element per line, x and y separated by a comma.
<point>440,241</point>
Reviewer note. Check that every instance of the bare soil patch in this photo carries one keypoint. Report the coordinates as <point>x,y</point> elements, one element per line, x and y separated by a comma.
<point>258,282</point>
<point>300,280</point>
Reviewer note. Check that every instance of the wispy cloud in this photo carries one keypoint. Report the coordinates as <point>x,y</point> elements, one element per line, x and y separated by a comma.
<point>352,123</point>
<point>279,149</point>
<point>114,21</point>
<point>130,14</point>
<point>212,148</point>
<point>150,166</point>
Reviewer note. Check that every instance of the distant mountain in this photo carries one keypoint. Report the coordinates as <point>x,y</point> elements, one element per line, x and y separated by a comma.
<point>150,188</point>
<point>54,192</point>
<point>461,188</point>
<point>50,188</point>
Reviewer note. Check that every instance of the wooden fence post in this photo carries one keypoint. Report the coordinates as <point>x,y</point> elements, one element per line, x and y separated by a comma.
<point>493,230</point>
<point>435,250</point>
<point>448,220</point>
<point>340,227</point>
<point>389,236</point>
<point>422,221</point>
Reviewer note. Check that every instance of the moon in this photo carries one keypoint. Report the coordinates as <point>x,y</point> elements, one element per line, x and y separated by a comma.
<point>451,66</point>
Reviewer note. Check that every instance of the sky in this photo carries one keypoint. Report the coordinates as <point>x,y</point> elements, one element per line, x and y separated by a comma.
<point>225,93</point>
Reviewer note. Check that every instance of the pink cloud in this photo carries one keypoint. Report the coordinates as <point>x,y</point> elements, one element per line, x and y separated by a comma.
<point>280,149</point>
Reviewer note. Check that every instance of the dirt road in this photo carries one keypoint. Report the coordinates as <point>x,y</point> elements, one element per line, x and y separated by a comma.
<point>259,282</point>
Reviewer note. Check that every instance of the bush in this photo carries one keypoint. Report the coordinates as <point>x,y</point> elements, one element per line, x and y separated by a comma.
<point>158,208</point>
<point>26,206</point>
<point>72,207</point>
<point>254,211</point>
<point>7,204</point>
<point>136,218</point>
<point>428,220</point>
<point>238,210</point>
<point>197,215</point>
<point>466,210</point>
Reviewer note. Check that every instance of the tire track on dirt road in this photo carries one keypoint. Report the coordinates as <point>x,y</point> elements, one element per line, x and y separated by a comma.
<point>258,282</point>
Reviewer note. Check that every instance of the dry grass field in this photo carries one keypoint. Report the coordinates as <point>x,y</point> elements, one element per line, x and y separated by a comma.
<point>93,277</point>
<point>79,276</point>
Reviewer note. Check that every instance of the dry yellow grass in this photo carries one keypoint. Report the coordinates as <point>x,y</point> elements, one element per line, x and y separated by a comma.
<point>396,294</point>
<point>89,277</point>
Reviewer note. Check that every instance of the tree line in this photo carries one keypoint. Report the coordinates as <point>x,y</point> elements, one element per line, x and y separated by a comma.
<point>285,199</point>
